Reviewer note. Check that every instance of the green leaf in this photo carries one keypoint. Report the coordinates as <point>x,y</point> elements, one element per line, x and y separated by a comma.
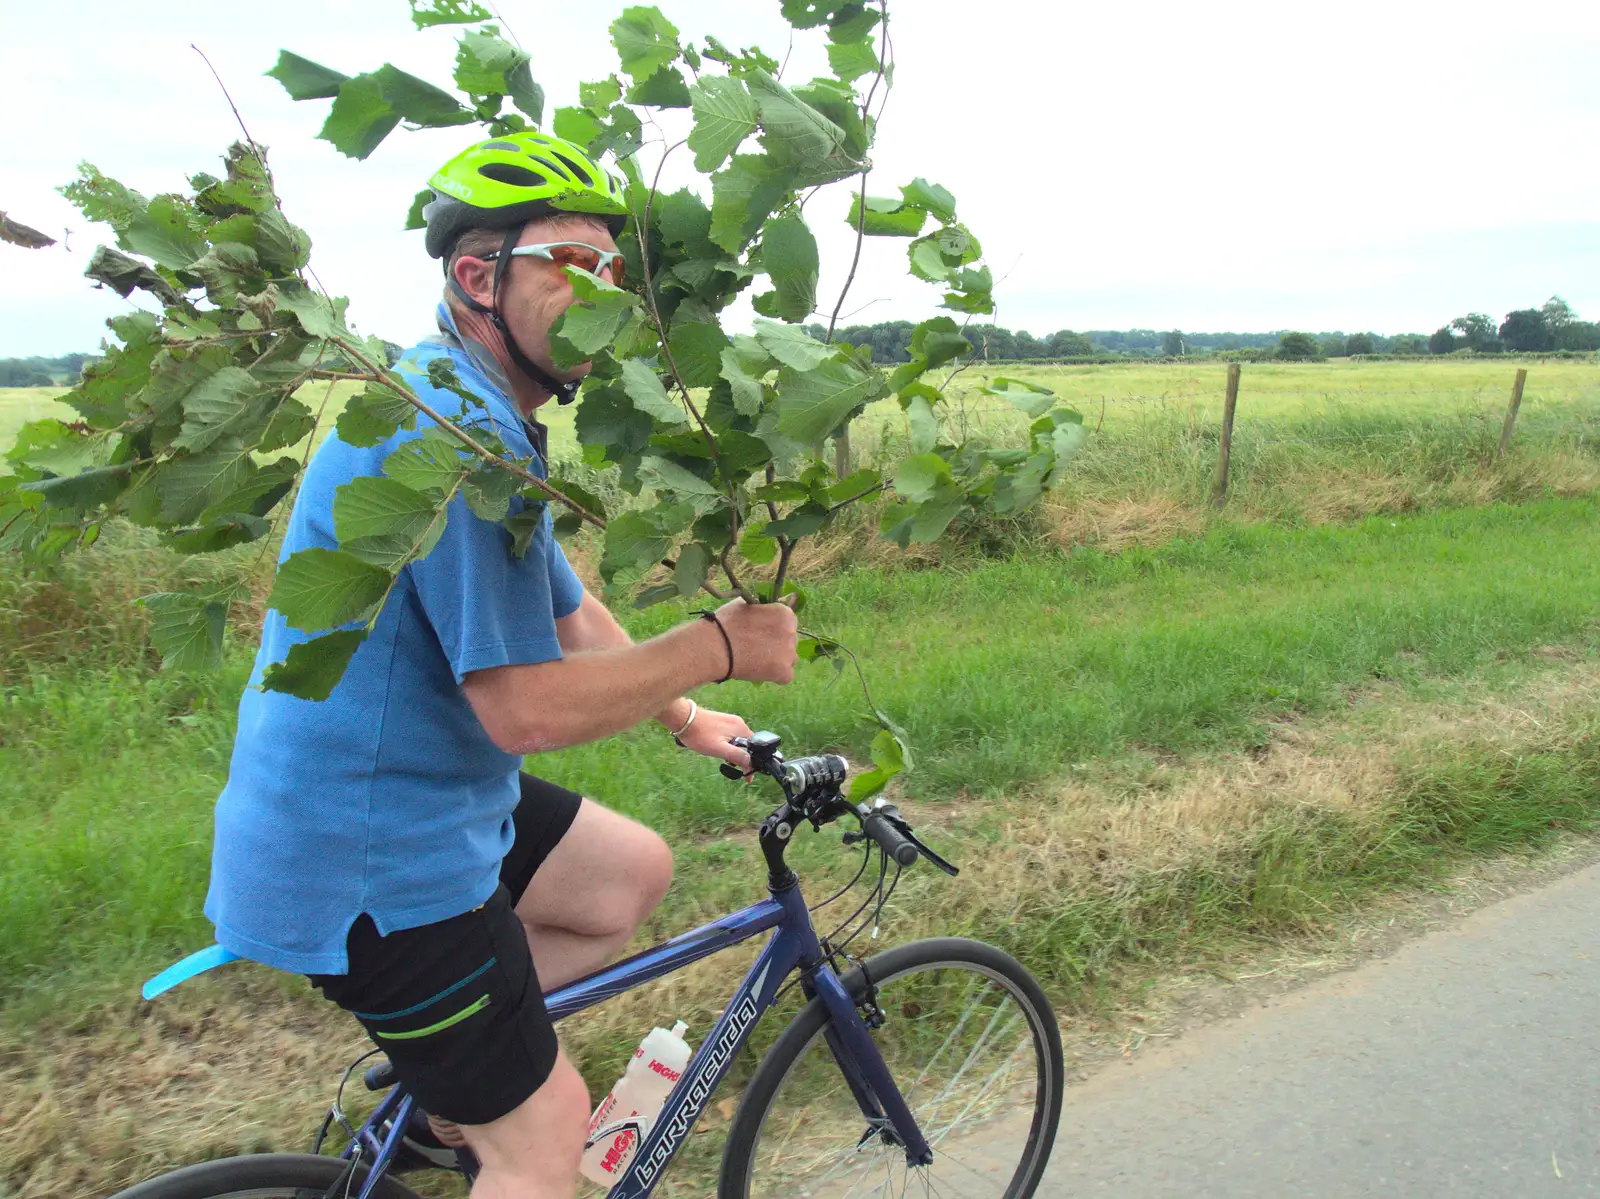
<point>186,629</point>
<point>522,526</point>
<point>811,404</point>
<point>854,487</point>
<point>418,101</point>
<point>576,126</point>
<point>383,522</point>
<point>414,217</point>
<point>375,415</point>
<point>598,312</point>
<point>693,565</point>
<point>231,530</point>
<point>886,217</point>
<point>446,12</point>
<point>924,424</point>
<point>488,491</point>
<point>360,117</point>
<point>645,40</point>
<point>685,221</point>
<point>86,489</point>
<point>756,546</point>
<point>189,485</point>
<point>808,14</point>
<point>664,89</point>
<point>319,588</point>
<point>313,668</point>
<point>927,263</point>
<point>645,389</point>
<point>746,388</point>
<point>665,475</point>
<point>266,487</point>
<point>851,60</point>
<point>431,463</point>
<point>222,400</point>
<point>567,522</point>
<point>792,346</point>
<point>742,194</point>
<point>888,760</point>
<point>1029,397</point>
<point>319,316</point>
<point>803,521</point>
<point>852,23</point>
<point>282,247</point>
<point>488,65</point>
<point>608,420</point>
<point>123,272</point>
<point>632,541</point>
<point>163,232</point>
<point>304,79</point>
<point>919,193</point>
<point>792,130</point>
<point>724,115</point>
<point>937,341</point>
<point>697,350</point>
<point>789,256</point>
<point>920,475</point>
<point>599,96</point>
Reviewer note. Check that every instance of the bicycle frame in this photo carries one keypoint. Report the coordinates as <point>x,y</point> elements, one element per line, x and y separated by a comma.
<point>793,945</point>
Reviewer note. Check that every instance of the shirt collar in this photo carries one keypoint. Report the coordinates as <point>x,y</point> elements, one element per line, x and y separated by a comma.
<point>478,354</point>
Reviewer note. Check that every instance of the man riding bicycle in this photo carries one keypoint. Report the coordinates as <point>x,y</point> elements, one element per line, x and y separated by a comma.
<point>384,841</point>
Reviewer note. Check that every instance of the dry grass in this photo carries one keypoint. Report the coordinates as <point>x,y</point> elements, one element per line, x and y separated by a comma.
<point>248,1060</point>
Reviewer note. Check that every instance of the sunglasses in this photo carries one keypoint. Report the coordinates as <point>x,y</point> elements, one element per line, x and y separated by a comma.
<point>571,253</point>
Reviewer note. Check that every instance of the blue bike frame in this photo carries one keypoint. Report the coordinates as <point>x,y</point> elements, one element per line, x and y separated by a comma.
<point>793,945</point>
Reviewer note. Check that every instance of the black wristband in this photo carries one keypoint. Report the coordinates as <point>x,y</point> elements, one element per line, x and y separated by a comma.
<point>707,614</point>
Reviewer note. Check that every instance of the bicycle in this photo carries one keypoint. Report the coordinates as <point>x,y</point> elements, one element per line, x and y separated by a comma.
<point>829,1112</point>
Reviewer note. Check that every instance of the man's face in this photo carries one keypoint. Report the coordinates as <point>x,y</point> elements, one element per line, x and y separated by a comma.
<point>535,291</point>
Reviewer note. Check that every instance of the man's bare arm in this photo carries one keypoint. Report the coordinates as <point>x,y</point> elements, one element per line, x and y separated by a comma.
<point>549,705</point>
<point>592,627</point>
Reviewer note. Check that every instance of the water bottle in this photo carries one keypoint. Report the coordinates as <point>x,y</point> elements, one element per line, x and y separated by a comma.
<point>624,1116</point>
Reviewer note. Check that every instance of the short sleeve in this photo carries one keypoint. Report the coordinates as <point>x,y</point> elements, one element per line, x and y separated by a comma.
<point>487,607</point>
<point>566,589</point>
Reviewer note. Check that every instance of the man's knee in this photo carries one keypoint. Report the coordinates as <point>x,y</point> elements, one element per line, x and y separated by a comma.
<point>654,872</point>
<point>540,1141</point>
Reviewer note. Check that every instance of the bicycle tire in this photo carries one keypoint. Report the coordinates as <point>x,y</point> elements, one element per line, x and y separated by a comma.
<point>260,1176</point>
<point>743,1154</point>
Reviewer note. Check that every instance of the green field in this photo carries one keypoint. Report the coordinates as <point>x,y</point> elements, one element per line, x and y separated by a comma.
<point>1147,744</point>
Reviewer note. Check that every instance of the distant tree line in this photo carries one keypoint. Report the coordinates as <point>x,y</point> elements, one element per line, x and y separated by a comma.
<point>41,372</point>
<point>1548,329</point>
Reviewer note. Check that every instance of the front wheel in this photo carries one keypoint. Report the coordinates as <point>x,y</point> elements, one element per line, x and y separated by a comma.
<point>972,1042</point>
<point>261,1176</point>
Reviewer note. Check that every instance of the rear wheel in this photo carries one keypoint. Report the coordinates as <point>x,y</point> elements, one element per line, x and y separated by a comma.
<point>971,1041</point>
<point>261,1176</point>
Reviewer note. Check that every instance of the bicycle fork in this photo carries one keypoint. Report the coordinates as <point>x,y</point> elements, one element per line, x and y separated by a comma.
<point>852,1046</point>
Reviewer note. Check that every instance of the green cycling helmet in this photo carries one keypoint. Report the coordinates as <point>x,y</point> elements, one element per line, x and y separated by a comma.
<point>508,181</point>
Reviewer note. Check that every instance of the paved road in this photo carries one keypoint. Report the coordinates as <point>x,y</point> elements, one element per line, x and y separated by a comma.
<point>1465,1064</point>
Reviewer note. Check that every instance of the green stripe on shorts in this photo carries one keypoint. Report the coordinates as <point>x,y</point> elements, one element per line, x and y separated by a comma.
<point>470,1010</point>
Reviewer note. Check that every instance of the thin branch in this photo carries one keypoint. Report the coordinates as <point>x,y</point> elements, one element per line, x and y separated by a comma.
<point>861,234</point>
<point>467,439</point>
<point>504,24</point>
<point>640,229</point>
<point>254,149</point>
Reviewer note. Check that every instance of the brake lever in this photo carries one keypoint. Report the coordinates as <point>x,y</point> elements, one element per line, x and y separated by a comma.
<point>892,814</point>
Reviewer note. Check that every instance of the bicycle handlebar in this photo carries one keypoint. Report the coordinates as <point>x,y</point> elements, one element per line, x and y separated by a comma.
<point>877,825</point>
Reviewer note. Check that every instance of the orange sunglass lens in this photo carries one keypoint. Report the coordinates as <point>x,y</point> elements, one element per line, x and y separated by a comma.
<point>585,259</point>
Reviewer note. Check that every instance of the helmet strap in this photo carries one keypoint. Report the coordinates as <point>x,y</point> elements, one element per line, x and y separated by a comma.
<point>564,391</point>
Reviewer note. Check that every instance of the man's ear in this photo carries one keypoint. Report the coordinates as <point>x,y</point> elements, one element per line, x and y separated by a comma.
<point>477,278</point>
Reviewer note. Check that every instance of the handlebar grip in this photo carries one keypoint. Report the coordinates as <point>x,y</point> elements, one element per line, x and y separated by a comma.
<point>890,840</point>
<point>730,771</point>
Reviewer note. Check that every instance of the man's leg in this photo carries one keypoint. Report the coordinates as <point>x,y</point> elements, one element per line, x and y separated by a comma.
<point>533,1151</point>
<point>599,883</point>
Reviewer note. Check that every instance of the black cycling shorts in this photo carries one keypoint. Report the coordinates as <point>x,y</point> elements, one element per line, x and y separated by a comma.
<point>456,1004</point>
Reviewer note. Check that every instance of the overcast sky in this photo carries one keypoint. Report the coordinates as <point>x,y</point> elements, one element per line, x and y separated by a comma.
<point>1242,166</point>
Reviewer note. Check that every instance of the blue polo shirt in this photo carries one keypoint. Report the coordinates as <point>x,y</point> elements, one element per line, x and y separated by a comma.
<point>387,798</point>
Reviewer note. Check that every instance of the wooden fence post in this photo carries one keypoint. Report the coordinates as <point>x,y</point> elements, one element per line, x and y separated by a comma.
<point>841,454</point>
<point>1226,449</point>
<point>1511,414</point>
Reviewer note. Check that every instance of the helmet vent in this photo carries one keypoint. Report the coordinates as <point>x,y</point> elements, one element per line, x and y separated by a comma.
<point>512,146</point>
<point>505,172</point>
<point>582,175</point>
